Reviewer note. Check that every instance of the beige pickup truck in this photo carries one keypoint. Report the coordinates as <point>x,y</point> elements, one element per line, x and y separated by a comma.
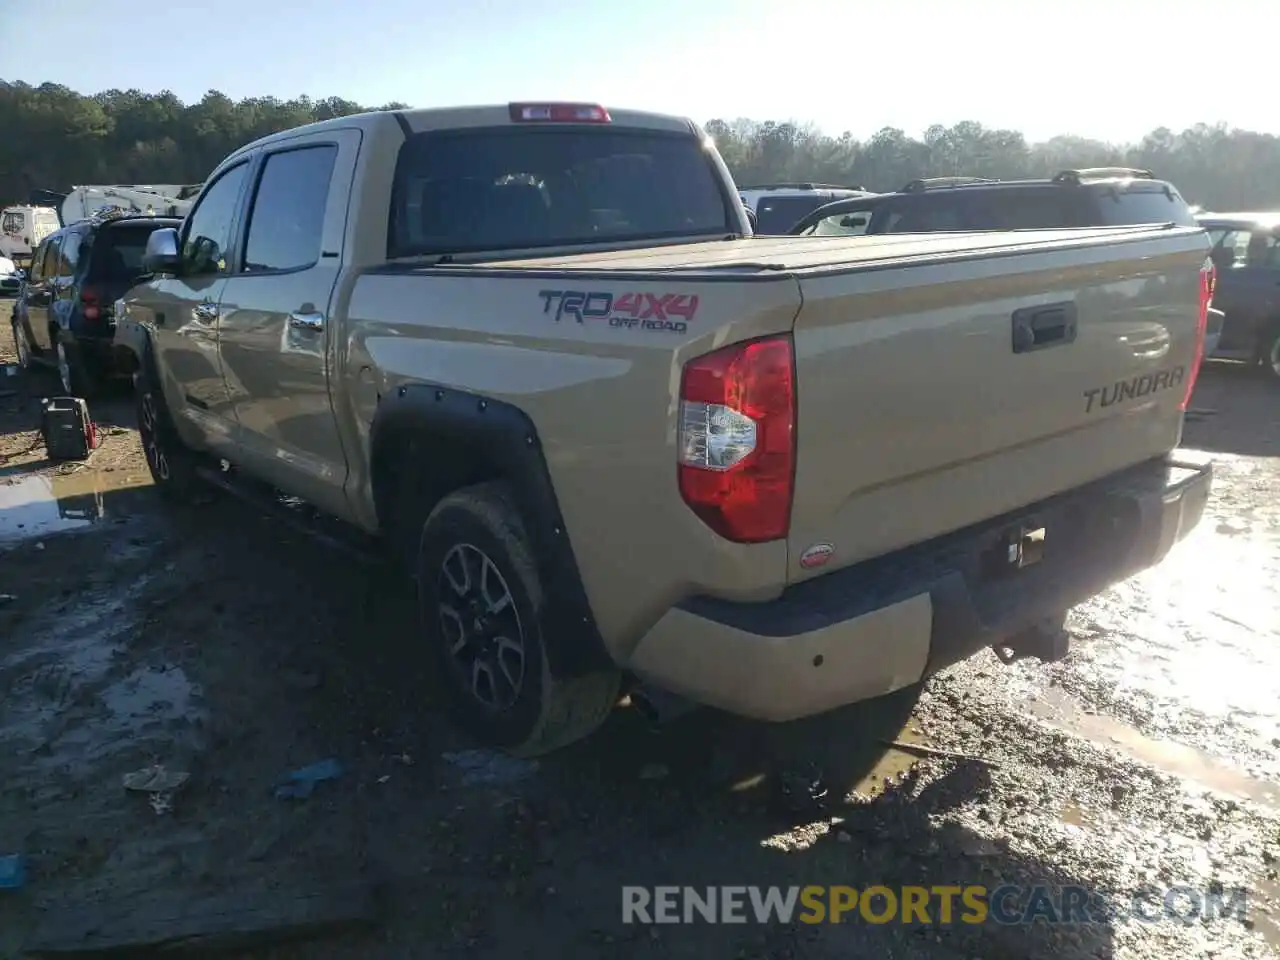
<point>623,445</point>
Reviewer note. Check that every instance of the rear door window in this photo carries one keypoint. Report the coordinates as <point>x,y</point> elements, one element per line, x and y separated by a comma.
<point>920,214</point>
<point>516,187</point>
<point>1230,247</point>
<point>1023,208</point>
<point>1119,207</point>
<point>850,223</point>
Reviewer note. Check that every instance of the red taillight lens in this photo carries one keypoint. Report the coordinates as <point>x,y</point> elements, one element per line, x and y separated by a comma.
<point>737,439</point>
<point>89,305</point>
<point>1208,275</point>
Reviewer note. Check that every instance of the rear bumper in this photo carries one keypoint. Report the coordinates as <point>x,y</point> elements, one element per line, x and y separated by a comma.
<point>101,349</point>
<point>887,623</point>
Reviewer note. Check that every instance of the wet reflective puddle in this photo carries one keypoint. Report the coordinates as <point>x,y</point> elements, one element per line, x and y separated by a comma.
<point>39,505</point>
<point>1167,756</point>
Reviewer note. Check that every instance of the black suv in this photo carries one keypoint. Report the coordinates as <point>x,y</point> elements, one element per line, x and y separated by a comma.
<point>65,315</point>
<point>1097,197</point>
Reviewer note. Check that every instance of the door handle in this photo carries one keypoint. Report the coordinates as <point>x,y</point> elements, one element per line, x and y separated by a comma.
<point>206,311</point>
<point>1039,328</point>
<point>306,321</point>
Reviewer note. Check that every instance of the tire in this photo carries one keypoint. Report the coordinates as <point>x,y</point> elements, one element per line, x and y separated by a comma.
<point>21,344</point>
<point>171,464</point>
<point>475,569</point>
<point>78,378</point>
<point>1269,353</point>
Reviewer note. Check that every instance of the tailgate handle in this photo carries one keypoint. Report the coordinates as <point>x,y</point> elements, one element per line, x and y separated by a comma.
<point>1042,327</point>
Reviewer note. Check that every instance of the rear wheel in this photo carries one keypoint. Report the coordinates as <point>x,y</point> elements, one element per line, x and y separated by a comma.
<point>21,344</point>
<point>481,607</point>
<point>1271,353</point>
<point>171,463</point>
<point>77,376</point>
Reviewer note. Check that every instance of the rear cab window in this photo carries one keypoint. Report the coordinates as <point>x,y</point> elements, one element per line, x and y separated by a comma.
<point>520,187</point>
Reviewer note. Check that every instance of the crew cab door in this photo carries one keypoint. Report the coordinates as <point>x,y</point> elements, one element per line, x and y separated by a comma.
<point>181,312</point>
<point>275,328</point>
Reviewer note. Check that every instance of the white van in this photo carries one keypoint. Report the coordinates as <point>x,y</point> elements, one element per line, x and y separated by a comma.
<point>22,229</point>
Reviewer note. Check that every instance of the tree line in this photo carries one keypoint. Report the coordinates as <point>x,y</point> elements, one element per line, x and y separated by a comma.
<point>52,138</point>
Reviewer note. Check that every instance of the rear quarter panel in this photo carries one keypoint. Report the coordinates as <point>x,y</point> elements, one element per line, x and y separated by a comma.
<point>603,398</point>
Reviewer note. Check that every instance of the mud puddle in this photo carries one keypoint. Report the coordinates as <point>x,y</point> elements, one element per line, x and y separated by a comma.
<point>71,695</point>
<point>1168,756</point>
<point>39,505</point>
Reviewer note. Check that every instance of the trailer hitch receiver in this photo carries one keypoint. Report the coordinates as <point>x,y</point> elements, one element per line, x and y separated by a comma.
<point>1047,641</point>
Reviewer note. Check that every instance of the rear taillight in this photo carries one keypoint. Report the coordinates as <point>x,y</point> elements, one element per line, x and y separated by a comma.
<point>89,305</point>
<point>737,439</point>
<point>1208,275</point>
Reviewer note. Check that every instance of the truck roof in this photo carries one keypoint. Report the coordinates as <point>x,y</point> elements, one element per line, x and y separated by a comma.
<point>489,115</point>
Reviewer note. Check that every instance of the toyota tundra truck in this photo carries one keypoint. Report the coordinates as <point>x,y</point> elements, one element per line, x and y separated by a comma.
<point>624,446</point>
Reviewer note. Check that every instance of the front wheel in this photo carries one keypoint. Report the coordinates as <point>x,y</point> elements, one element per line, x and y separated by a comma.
<point>21,344</point>
<point>481,607</point>
<point>171,464</point>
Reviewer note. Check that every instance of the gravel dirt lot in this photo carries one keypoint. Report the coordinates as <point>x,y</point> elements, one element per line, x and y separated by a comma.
<point>219,643</point>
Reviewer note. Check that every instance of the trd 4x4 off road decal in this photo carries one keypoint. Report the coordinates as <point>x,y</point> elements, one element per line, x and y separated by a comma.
<point>663,312</point>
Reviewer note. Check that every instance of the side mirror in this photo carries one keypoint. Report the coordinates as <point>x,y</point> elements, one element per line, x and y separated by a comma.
<point>751,219</point>
<point>161,255</point>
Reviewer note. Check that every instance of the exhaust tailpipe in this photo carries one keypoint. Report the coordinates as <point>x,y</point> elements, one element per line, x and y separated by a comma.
<point>659,707</point>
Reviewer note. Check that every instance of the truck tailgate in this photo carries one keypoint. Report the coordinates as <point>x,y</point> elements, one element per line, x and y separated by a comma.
<point>939,392</point>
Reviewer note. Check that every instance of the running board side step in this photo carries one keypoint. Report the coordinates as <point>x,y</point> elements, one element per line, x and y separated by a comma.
<point>296,515</point>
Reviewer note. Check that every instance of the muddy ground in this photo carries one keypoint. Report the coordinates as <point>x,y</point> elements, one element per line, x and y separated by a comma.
<point>218,643</point>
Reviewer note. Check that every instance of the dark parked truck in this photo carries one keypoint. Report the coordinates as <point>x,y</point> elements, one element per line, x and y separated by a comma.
<point>622,444</point>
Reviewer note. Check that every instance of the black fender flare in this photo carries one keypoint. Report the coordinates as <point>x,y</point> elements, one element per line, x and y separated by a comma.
<point>504,439</point>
